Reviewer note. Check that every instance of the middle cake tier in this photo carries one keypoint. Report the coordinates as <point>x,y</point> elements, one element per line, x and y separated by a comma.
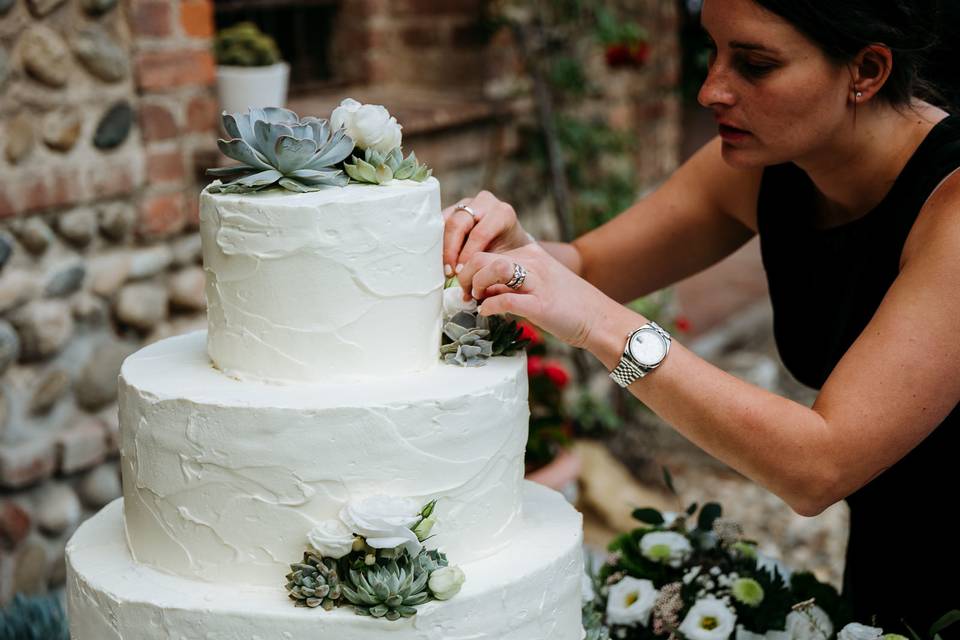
<point>222,479</point>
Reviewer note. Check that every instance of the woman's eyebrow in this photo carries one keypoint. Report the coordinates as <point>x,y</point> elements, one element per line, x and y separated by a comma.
<point>752,46</point>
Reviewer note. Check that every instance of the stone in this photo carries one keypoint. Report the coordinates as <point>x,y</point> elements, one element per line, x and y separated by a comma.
<point>65,280</point>
<point>108,272</point>
<point>40,8</point>
<point>26,462</point>
<point>101,54</point>
<point>81,446</point>
<point>19,138</point>
<point>4,65</point>
<point>15,523</point>
<point>78,227</point>
<point>9,346</point>
<point>116,220</point>
<point>45,326</point>
<point>6,250</point>
<point>58,509</point>
<point>114,127</point>
<point>89,309</point>
<point>142,305</point>
<point>188,289</point>
<point>96,385</point>
<point>187,250</point>
<point>110,417</point>
<point>18,286</point>
<point>100,486</point>
<point>34,234</point>
<point>97,7</point>
<point>30,575</point>
<point>149,262</point>
<point>52,386</point>
<point>45,56</point>
<point>61,130</point>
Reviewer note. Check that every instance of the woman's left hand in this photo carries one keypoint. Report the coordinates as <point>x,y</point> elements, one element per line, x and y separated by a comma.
<point>551,296</point>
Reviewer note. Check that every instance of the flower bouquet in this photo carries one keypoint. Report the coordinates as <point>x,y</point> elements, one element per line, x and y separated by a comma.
<point>694,576</point>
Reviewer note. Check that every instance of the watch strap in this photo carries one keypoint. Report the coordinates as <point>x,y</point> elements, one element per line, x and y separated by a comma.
<point>626,372</point>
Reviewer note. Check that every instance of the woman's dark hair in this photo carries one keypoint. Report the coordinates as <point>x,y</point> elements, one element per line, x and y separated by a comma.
<point>842,28</point>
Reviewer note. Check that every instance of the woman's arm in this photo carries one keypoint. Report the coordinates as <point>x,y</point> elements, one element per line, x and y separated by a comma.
<point>701,214</point>
<point>896,383</point>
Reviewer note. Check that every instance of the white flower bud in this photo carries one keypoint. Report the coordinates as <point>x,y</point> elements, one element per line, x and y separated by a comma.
<point>445,582</point>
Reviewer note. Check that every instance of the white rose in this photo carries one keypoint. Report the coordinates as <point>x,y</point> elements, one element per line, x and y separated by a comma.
<point>666,546</point>
<point>814,624</point>
<point>453,303</point>
<point>331,539</point>
<point>384,521</point>
<point>630,601</point>
<point>708,619</point>
<point>445,582</point>
<point>369,125</point>
<point>857,631</point>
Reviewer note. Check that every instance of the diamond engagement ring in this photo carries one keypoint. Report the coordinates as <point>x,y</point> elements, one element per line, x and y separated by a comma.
<point>519,275</point>
<point>468,209</point>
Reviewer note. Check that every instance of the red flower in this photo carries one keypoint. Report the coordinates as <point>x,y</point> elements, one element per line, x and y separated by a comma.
<point>682,323</point>
<point>639,53</point>
<point>628,54</point>
<point>557,374</point>
<point>534,366</point>
<point>618,55</point>
<point>527,332</point>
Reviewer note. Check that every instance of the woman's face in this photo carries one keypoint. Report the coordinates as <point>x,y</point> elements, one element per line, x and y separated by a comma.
<point>776,97</point>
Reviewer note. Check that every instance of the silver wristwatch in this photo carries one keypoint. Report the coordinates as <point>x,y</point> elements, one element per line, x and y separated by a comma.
<point>646,348</point>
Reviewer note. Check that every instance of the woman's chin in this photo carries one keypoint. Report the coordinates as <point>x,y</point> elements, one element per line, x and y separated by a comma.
<point>741,158</point>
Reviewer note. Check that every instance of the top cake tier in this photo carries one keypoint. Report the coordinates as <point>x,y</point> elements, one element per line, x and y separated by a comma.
<point>344,282</point>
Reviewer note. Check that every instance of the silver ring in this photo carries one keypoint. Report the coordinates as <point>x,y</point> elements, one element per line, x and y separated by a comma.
<point>468,209</point>
<point>519,275</point>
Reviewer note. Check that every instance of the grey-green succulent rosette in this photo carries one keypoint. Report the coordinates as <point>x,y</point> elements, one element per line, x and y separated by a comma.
<point>277,148</point>
<point>469,339</point>
<point>372,558</point>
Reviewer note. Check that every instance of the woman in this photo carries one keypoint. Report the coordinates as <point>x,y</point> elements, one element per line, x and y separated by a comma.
<point>850,183</point>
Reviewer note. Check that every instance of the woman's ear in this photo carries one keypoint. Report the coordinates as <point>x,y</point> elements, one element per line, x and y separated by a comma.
<point>869,71</point>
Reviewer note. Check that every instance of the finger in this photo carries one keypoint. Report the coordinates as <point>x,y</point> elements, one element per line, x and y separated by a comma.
<point>495,218</point>
<point>498,271</point>
<point>470,269</point>
<point>446,213</point>
<point>523,305</point>
<point>455,232</point>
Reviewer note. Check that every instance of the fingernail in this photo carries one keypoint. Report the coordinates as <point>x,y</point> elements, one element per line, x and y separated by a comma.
<point>459,268</point>
<point>480,308</point>
<point>447,270</point>
<point>474,294</point>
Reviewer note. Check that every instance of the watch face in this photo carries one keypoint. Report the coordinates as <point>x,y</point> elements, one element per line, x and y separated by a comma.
<point>648,347</point>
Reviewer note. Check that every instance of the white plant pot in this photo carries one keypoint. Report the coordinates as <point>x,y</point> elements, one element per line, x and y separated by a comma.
<point>241,87</point>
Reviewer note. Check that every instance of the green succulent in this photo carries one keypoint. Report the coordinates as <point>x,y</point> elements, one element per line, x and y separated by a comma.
<point>390,588</point>
<point>470,338</point>
<point>315,582</point>
<point>277,148</point>
<point>244,45</point>
<point>377,168</point>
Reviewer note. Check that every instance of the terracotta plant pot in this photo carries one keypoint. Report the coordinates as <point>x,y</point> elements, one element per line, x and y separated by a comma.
<point>560,474</point>
<point>242,87</point>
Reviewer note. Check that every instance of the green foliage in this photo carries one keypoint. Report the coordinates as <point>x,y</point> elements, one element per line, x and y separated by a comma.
<point>33,618</point>
<point>378,168</point>
<point>244,45</point>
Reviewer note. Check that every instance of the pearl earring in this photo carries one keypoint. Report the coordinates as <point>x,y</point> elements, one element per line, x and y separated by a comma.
<point>859,94</point>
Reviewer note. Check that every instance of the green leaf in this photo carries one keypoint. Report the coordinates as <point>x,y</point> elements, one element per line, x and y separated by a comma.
<point>649,516</point>
<point>421,174</point>
<point>710,512</point>
<point>668,480</point>
<point>384,174</point>
<point>367,171</point>
<point>692,509</point>
<point>951,617</point>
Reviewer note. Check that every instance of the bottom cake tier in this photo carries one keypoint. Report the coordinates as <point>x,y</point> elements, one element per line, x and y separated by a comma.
<point>528,591</point>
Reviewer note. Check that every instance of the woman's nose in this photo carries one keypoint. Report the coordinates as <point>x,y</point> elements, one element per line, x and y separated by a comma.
<point>715,90</point>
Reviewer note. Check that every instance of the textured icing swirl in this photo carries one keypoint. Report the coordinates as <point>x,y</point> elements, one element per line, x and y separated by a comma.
<point>222,478</point>
<point>342,282</point>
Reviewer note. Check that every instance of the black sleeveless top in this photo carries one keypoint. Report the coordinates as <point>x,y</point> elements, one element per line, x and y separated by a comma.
<point>903,558</point>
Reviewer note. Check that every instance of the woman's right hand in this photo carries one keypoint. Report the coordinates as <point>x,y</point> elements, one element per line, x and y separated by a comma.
<point>495,230</point>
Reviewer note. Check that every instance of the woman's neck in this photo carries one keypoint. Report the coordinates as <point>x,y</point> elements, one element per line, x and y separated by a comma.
<point>856,169</point>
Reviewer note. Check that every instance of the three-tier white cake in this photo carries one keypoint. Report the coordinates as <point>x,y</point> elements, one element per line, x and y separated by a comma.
<point>319,382</point>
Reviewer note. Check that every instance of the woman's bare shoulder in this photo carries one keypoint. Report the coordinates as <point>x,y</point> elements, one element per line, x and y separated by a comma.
<point>730,190</point>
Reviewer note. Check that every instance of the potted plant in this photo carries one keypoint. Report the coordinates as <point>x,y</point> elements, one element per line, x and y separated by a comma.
<point>250,72</point>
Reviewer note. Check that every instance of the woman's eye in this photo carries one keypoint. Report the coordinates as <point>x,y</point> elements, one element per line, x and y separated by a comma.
<point>755,69</point>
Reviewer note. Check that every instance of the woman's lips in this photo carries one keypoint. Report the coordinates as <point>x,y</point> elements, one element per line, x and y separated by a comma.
<point>732,134</point>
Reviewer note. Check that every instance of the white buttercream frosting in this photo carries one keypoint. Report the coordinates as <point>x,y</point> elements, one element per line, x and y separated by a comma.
<point>223,478</point>
<point>528,591</point>
<point>344,282</point>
